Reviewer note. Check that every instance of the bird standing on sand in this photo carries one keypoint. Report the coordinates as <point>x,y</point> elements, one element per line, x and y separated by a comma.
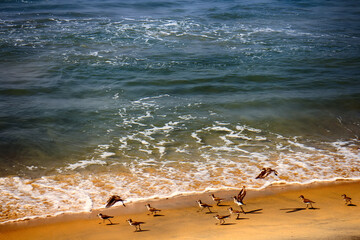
<point>221,218</point>
<point>266,172</point>
<point>216,199</point>
<point>135,224</point>
<point>234,211</point>
<point>239,198</point>
<point>346,199</point>
<point>105,217</point>
<point>204,205</point>
<point>114,199</point>
<point>152,210</point>
<point>307,201</point>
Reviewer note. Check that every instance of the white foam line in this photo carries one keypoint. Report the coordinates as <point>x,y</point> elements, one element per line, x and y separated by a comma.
<point>84,164</point>
<point>302,146</point>
<point>239,135</point>
<point>148,115</point>
<point>226,141</point>
<point>196,137</point>
<point>146,151</point>
<point>107,154</point>
<point>187,117</point>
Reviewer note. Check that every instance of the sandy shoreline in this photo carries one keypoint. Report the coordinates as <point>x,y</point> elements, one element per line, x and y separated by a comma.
<point>273,213</point>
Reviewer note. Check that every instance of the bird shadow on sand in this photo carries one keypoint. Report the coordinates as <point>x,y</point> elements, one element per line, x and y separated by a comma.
<point>158,215</point>
<point>210,212</point>
<point>352,205</point>
<point>241,218</point>
<point>223,205</point>
<point>109,224</point>
<point>225,224</point>
<point>206,212</point>
<point>292,210</point>
<point>256,211</point>
<point>142,230</point>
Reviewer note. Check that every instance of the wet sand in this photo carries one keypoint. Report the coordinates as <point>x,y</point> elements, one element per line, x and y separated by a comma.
<point>274,213</point>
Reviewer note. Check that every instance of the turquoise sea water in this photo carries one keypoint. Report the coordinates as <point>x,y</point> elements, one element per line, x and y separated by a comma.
<point>154,98</point>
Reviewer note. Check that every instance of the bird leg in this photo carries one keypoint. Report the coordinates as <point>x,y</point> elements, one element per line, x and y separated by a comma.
<point>242,210</point>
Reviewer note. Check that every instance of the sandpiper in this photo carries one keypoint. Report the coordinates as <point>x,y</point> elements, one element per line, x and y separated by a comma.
<point>266,172</point>
<point>152,210</point>
<point>307,201</point>
<point>216,199</point>
<point>221,218</point>
<point>135,224</point>
<point>239,198</point>
<point>114,199</point>
<point>234,211</point>
<point>204,205</point>
<point>346,199</point>
<point>105,217</point>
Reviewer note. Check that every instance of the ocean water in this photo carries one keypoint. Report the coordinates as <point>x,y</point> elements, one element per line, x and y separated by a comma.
<point>148,98</point>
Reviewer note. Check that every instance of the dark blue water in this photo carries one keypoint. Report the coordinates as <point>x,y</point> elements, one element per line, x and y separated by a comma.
<point>288,66</point>
<point>111,82</point>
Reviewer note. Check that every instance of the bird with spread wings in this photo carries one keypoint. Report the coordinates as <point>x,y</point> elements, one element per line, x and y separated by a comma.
<point>114,199</point>
<point>240,197</point>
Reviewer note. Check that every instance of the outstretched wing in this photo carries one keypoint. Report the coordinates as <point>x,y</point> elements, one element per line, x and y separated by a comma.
<point>241,194</point>
<point>262,174</point>
<point>112,200</point>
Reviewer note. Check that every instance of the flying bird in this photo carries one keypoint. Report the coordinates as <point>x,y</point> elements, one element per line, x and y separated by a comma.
<point>114,199</point>
<point>266,172</point>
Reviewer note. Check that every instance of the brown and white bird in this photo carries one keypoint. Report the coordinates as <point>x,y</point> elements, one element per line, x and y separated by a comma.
<point>234,211</point>
<point>114,199</point>
<point>346,199</point>
<point>216,199</point>
<point>152,210</point>
<point>204,205</point>
<point>135,224</point>
<point>239,198</point>
<point>266,172</point>
<point>105,217</point>
<point>307,201</point>
<point>221,218</point>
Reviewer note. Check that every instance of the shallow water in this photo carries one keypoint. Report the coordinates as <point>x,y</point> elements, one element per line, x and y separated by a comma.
<point>155,98</point>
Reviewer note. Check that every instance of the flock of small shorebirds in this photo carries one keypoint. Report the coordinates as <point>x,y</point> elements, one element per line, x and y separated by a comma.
<point>238,200</point>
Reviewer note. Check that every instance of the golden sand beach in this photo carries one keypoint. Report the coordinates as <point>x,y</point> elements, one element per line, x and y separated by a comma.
<point>274,213</point>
